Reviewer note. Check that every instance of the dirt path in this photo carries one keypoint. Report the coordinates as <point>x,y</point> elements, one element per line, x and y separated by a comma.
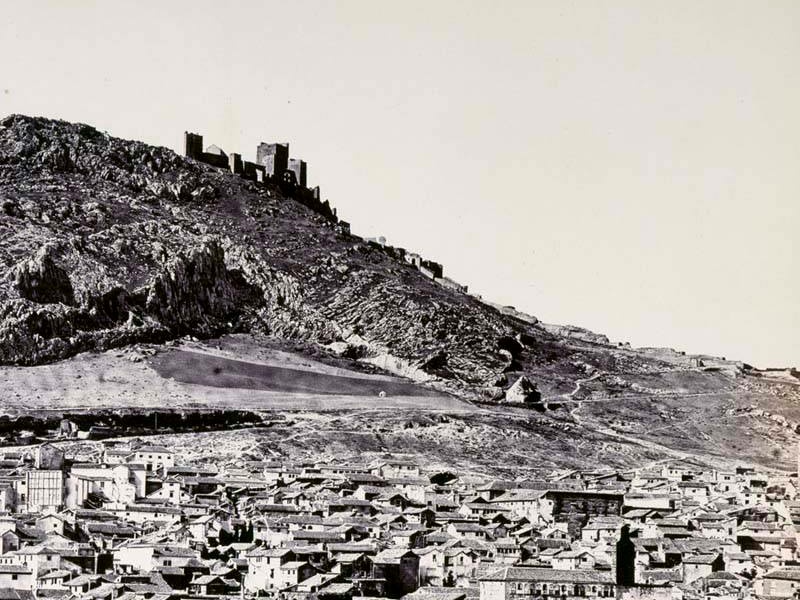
<point>580,382</point>
<point>655,447</point>
<point>594,426</point>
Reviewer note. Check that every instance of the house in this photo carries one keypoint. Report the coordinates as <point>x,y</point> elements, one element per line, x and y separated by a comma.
<point>400,568</point>
<point>778,583</point>
<point>694,490</point>
<point>48,457</point>
<point>507,551</point>
<point>460,566</point>
<point>155,458</point>
<point>147,557</point>
<point>169,492</point>
<point>431,565</point>
<point>351,565</point>
<point>701,565</point>
<point>601,527</point>
<point>211,585</point>
<point>275,569</point>
<point>570,560</point>
<point>531,504</point>
<point>314,584</point>
<point>397,468</point>
<point>141,513</point>
<point>38,558</point>
<point>292,573</point>
<point>467,530</point>
<point>510,582</point>
<point>52,523</point>
<point>117,455</point>
<point>9,541</point>
<point>44,490</point>
<point>16,577</point>
<point>351,505</point>
<point>738,562</point>
<point>54,580</point>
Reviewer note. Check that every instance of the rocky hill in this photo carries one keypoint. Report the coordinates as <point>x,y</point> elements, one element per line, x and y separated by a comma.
<point>106,243</point>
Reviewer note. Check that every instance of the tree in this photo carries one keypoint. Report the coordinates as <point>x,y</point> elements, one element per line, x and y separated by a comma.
<point>247,533</point>
<point>225,538</point>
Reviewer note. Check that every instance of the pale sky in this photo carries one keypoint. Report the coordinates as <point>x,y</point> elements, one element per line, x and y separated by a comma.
<point>628,166</point>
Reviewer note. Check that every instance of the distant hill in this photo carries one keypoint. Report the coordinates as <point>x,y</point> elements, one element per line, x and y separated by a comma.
<point>105,243</point>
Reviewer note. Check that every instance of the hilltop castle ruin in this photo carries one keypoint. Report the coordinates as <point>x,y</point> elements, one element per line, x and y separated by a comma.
<point>273,165</point>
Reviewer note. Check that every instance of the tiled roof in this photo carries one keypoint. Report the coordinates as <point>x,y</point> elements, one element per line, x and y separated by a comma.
<point>538,574</point>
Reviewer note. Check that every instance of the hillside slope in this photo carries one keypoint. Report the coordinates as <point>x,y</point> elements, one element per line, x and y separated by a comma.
<point>106,243</point>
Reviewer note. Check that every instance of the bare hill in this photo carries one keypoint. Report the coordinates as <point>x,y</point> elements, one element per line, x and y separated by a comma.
<point>105,243</point>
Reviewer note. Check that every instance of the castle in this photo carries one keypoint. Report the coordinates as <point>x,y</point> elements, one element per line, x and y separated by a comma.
<point>429,268</point>
<point>273,165</point>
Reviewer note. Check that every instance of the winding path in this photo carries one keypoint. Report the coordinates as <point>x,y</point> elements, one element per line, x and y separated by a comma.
<point>595,426</point>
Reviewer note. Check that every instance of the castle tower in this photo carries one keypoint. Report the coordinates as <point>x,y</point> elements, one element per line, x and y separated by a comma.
<point>235,163</point>
<point>273,157</point>
<point>192,145</point>
<point>300,170</point>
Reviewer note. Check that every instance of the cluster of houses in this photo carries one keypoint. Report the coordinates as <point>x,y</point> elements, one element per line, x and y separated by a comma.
<point>129,521</point>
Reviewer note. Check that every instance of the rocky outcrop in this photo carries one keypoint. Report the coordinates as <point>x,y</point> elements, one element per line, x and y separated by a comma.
<point>571,331</point>
<point>195,291</point>
<point>39,279</point>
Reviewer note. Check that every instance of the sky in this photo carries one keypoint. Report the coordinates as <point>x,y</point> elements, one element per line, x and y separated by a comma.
<point>626,166</point>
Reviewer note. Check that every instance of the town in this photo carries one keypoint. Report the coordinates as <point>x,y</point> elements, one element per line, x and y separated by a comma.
<point>121,519</point>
